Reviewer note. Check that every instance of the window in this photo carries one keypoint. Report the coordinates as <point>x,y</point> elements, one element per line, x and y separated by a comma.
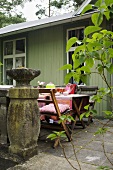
<point>75,32</point>
<point>14,57</point>
<point>8,48</point>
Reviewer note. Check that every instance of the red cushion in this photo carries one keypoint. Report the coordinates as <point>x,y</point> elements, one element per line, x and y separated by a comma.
<point>50,108</point>
<point>71,88</point>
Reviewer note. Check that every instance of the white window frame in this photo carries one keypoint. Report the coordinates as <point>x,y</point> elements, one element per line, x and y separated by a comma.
<point>72,48</point>
<point>13,56</point>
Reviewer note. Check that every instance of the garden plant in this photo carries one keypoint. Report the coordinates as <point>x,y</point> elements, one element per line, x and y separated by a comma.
<point>96,52</point>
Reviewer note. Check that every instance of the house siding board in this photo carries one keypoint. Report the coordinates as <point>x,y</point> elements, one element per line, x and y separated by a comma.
<point>96,80</point>
<point>46,47</point>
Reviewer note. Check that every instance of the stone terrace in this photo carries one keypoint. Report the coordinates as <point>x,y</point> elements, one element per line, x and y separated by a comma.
<point>88,147</point>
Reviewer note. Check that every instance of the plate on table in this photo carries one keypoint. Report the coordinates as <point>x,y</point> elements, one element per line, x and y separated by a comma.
<point>57,94</point>
<point>65,93</point>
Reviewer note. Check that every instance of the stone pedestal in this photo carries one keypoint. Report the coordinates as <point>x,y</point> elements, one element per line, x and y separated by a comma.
<point>4,102</point>
<point>23,121</point>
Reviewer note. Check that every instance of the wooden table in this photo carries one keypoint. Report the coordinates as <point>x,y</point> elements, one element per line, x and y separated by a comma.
<point>77,103</point>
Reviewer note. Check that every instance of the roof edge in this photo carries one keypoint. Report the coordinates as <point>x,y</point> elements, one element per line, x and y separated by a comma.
<point>72,19</point>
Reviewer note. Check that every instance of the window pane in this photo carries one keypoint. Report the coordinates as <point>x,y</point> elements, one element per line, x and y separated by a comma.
<point>8,48</point>
<point>20,46</point>
<point>8,64</point>
<point>20,62</point>
<point>71,34</point>
<point>81,34</point>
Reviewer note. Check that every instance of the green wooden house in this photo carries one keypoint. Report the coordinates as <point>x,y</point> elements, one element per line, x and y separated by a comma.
<point>41,44</point>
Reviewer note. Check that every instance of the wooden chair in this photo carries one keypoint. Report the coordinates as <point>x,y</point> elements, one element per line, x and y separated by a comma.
<point>90,90</point>
<point>78,106</point>
<point>63,126</point>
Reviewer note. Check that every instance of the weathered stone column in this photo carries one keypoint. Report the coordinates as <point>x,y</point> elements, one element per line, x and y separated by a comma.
<point>23,120</point>
<point>4,101</point>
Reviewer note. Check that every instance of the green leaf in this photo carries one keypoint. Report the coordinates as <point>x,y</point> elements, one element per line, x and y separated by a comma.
<point>95,46</point>
<point>107,15</point>
<point>97,36</point>
<point>68,77</point>
<point>101,130</point>
<point>1,64</point>
<point>76,77</point>
<point>87,107</point>
<point>52,136</point>
<point>107,43</point>
<point>66,66</point>
<point>84,78</point>
<point>87,8</point>
<point>90,62</point>
<point>108,112</point>
<point>94,112</point>
<point>76,63</point>
<point>82,115</point>
<point>70,43</point>
<point>90,29</point>
<point>87,113</point>
<point>85,68</point>
<point>109,2</point>
<point>110,69</point>
<point>110,50</point>
<point>63,117</point>
<point>63,135</point>
<point>79,49</point>
<point>104,31</point>
<point>97,19</point>
<point>100,69</point>
<point>98,3</point>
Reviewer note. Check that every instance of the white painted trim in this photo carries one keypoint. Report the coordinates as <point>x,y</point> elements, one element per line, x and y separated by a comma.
<point>13,56</point>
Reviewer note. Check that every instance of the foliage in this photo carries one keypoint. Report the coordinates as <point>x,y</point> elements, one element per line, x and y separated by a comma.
<point>9,13</point>
<point>95,51</point>
<point>56,6</point>
<point>103,168</point>
<point>56,134</point>
<point>101,131</point>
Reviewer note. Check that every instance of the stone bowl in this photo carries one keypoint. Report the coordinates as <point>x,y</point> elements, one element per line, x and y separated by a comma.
<point>23,76</point>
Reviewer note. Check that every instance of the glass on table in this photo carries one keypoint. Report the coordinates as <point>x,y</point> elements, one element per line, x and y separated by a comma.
<point>60,89</point>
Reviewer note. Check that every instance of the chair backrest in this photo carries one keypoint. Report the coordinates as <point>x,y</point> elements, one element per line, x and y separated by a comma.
<point>52,99</point>
<point>90,90</point>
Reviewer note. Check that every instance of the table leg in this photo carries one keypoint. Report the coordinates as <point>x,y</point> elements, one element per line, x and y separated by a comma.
<point>78,109</point>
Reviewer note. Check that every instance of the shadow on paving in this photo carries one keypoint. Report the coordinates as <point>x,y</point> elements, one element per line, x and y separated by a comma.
<point>5,163</point>
<point>7,160</point>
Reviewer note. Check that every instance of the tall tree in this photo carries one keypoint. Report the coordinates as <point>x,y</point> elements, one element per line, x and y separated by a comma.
<point>54,7</point>
<point>9,13</point>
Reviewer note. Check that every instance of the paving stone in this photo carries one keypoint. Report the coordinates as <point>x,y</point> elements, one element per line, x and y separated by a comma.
<point>108,147</point>
<point>107,162</point>
<point>47,162</point>
<point>88,148</point>
<point>90,156</point>
<point>84,135</point>
<point>95,145</point>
